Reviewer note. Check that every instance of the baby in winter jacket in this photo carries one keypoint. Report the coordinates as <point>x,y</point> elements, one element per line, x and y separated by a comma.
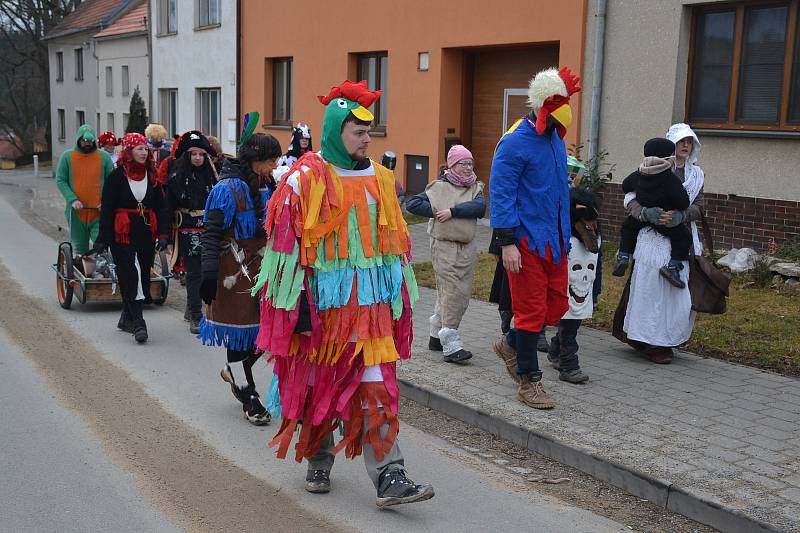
<point>656,185</point>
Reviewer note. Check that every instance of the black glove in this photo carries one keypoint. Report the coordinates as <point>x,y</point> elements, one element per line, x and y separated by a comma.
<point>208,290</point>
<point>98,248</point>
<point>161,244</point>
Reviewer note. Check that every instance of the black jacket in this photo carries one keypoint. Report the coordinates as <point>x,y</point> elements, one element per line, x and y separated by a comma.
<point>663,190</point>
<point>188,188</point>
<point>117,195</point>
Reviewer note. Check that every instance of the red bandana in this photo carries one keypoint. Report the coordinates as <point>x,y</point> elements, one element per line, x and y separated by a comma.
<point>133,170</point>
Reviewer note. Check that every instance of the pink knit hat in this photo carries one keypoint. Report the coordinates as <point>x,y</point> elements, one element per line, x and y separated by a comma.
<point>456,154</point>
<point>456,174</point>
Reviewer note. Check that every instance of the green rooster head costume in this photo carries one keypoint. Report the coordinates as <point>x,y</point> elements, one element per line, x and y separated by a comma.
<point>342,100</point>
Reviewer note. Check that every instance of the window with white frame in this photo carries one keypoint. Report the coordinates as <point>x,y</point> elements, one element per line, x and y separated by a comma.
<point>109,81</point>
<point>126,81</point>
<point>208,115</point>
<point>80,118</point>
<point>168,109</point>
<point>282,80</point>
<point>207,13</point>
<point>98,126</point>
<point>110,122</point>
<point>125,118</point>
<point>167,17</point>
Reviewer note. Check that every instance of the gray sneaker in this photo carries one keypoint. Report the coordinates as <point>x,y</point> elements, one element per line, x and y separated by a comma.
<point>394,488</point>
<point>573,376</point>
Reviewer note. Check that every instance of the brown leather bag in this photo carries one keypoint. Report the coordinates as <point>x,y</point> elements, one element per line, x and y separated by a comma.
<point>708,285</point>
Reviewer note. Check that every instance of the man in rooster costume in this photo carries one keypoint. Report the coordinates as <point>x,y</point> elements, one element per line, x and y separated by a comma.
<point>530,211</point>
<point>337,291</point>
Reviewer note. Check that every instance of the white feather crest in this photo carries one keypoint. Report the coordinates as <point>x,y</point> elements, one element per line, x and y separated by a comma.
<point>545,84</point>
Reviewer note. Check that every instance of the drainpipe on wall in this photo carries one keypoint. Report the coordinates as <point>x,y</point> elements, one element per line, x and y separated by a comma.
<point>597,76</point>
<point>238,89</point>
<point>150,101</point>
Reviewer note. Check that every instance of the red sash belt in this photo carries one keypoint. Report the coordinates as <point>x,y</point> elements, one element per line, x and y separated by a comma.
<point>122,223</point>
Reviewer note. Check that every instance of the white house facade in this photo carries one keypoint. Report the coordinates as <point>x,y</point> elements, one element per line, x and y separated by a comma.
<point>194,67</point>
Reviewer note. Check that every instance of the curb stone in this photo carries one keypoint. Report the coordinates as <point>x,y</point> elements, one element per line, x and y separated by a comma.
<point>661,492</point>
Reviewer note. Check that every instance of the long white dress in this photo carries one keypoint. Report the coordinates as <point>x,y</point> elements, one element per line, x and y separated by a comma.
<point>658,313</point>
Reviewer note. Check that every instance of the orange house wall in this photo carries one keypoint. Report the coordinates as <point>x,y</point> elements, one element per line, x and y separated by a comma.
<point>422,105</point>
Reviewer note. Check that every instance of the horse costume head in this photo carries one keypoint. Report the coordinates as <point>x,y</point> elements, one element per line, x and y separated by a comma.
<point>583,213</point>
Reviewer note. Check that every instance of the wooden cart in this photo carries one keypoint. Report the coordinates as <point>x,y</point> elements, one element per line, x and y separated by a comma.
<point>71,281</point>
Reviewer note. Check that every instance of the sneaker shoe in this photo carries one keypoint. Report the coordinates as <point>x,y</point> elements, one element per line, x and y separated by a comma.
<point>227,377</point>
<point>139,330</point>
<point>434,344</point>
<point>508,355</point>
<point>620,266</point>
<point>672,273</point>
<point>255,413</point>
<point>318,481</point>
<point>125,324</point>
<point>573,376</point>
<point>394,488</point>
<point>532,394</point>
<point>460,356</point>
<point>194,326</point>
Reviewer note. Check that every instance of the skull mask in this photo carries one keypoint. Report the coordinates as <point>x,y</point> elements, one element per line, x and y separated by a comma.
<point>582,271</point>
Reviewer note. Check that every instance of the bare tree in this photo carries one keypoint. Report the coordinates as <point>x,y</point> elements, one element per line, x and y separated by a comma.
<point>24,67</point>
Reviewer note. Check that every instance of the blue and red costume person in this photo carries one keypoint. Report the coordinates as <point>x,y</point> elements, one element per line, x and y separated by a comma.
<point>530,212</point>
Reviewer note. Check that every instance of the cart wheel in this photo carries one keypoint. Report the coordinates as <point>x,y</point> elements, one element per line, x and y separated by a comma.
<point>65,273</point>
<point>161,266</point>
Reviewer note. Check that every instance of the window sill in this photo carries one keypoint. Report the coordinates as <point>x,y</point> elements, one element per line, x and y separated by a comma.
<point>377,133</point>
<point>60,81</point>
<point>167,34</point>
<point>284,127</point>
<point>208,27</point>
<point>754,134</point>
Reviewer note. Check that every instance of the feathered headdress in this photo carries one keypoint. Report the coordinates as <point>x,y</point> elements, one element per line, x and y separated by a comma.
<point>548,94</point>
<point>249,125</point>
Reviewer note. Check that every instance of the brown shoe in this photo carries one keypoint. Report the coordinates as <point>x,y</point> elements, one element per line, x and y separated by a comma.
<point>532,394</point>
<point>508,355</point>
<point>659,355</point>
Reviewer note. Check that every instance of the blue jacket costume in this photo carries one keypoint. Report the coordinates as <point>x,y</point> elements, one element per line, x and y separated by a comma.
<point>232,320</point>
<point>529,188</point>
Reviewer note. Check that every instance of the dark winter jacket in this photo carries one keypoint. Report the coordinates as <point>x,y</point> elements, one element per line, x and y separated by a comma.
<point>117,195</point>
<point>188,189</point>
<point>420,205</point>
<point>663,190</point>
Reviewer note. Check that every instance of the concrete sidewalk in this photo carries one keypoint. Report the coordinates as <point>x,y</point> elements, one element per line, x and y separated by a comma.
<point>715,441</point>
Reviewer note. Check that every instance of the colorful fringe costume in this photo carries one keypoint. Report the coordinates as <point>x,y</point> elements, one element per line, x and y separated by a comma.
<point>337,292</point>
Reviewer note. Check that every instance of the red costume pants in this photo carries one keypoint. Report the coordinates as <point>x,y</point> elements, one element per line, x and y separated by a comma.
<point>539,289</point>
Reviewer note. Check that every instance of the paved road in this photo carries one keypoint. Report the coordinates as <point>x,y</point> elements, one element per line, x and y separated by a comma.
<point>55,475</point>
<point>170,427</point>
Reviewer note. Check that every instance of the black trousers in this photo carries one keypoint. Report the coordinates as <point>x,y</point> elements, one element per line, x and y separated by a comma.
<point>565,344</point>
<point>192,265</point>
<point>141,250</point>
<point>678,236</point>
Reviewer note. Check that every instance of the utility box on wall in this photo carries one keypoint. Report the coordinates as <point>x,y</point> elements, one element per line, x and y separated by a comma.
<point>416,174</point>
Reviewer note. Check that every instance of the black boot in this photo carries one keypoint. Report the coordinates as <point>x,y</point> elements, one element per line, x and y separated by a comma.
<point>394,488</point>
<point>621,265</point>
<point>672,273</point>
<point>434,344</point>
<point>140,331</point>
<point>125,323</point>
